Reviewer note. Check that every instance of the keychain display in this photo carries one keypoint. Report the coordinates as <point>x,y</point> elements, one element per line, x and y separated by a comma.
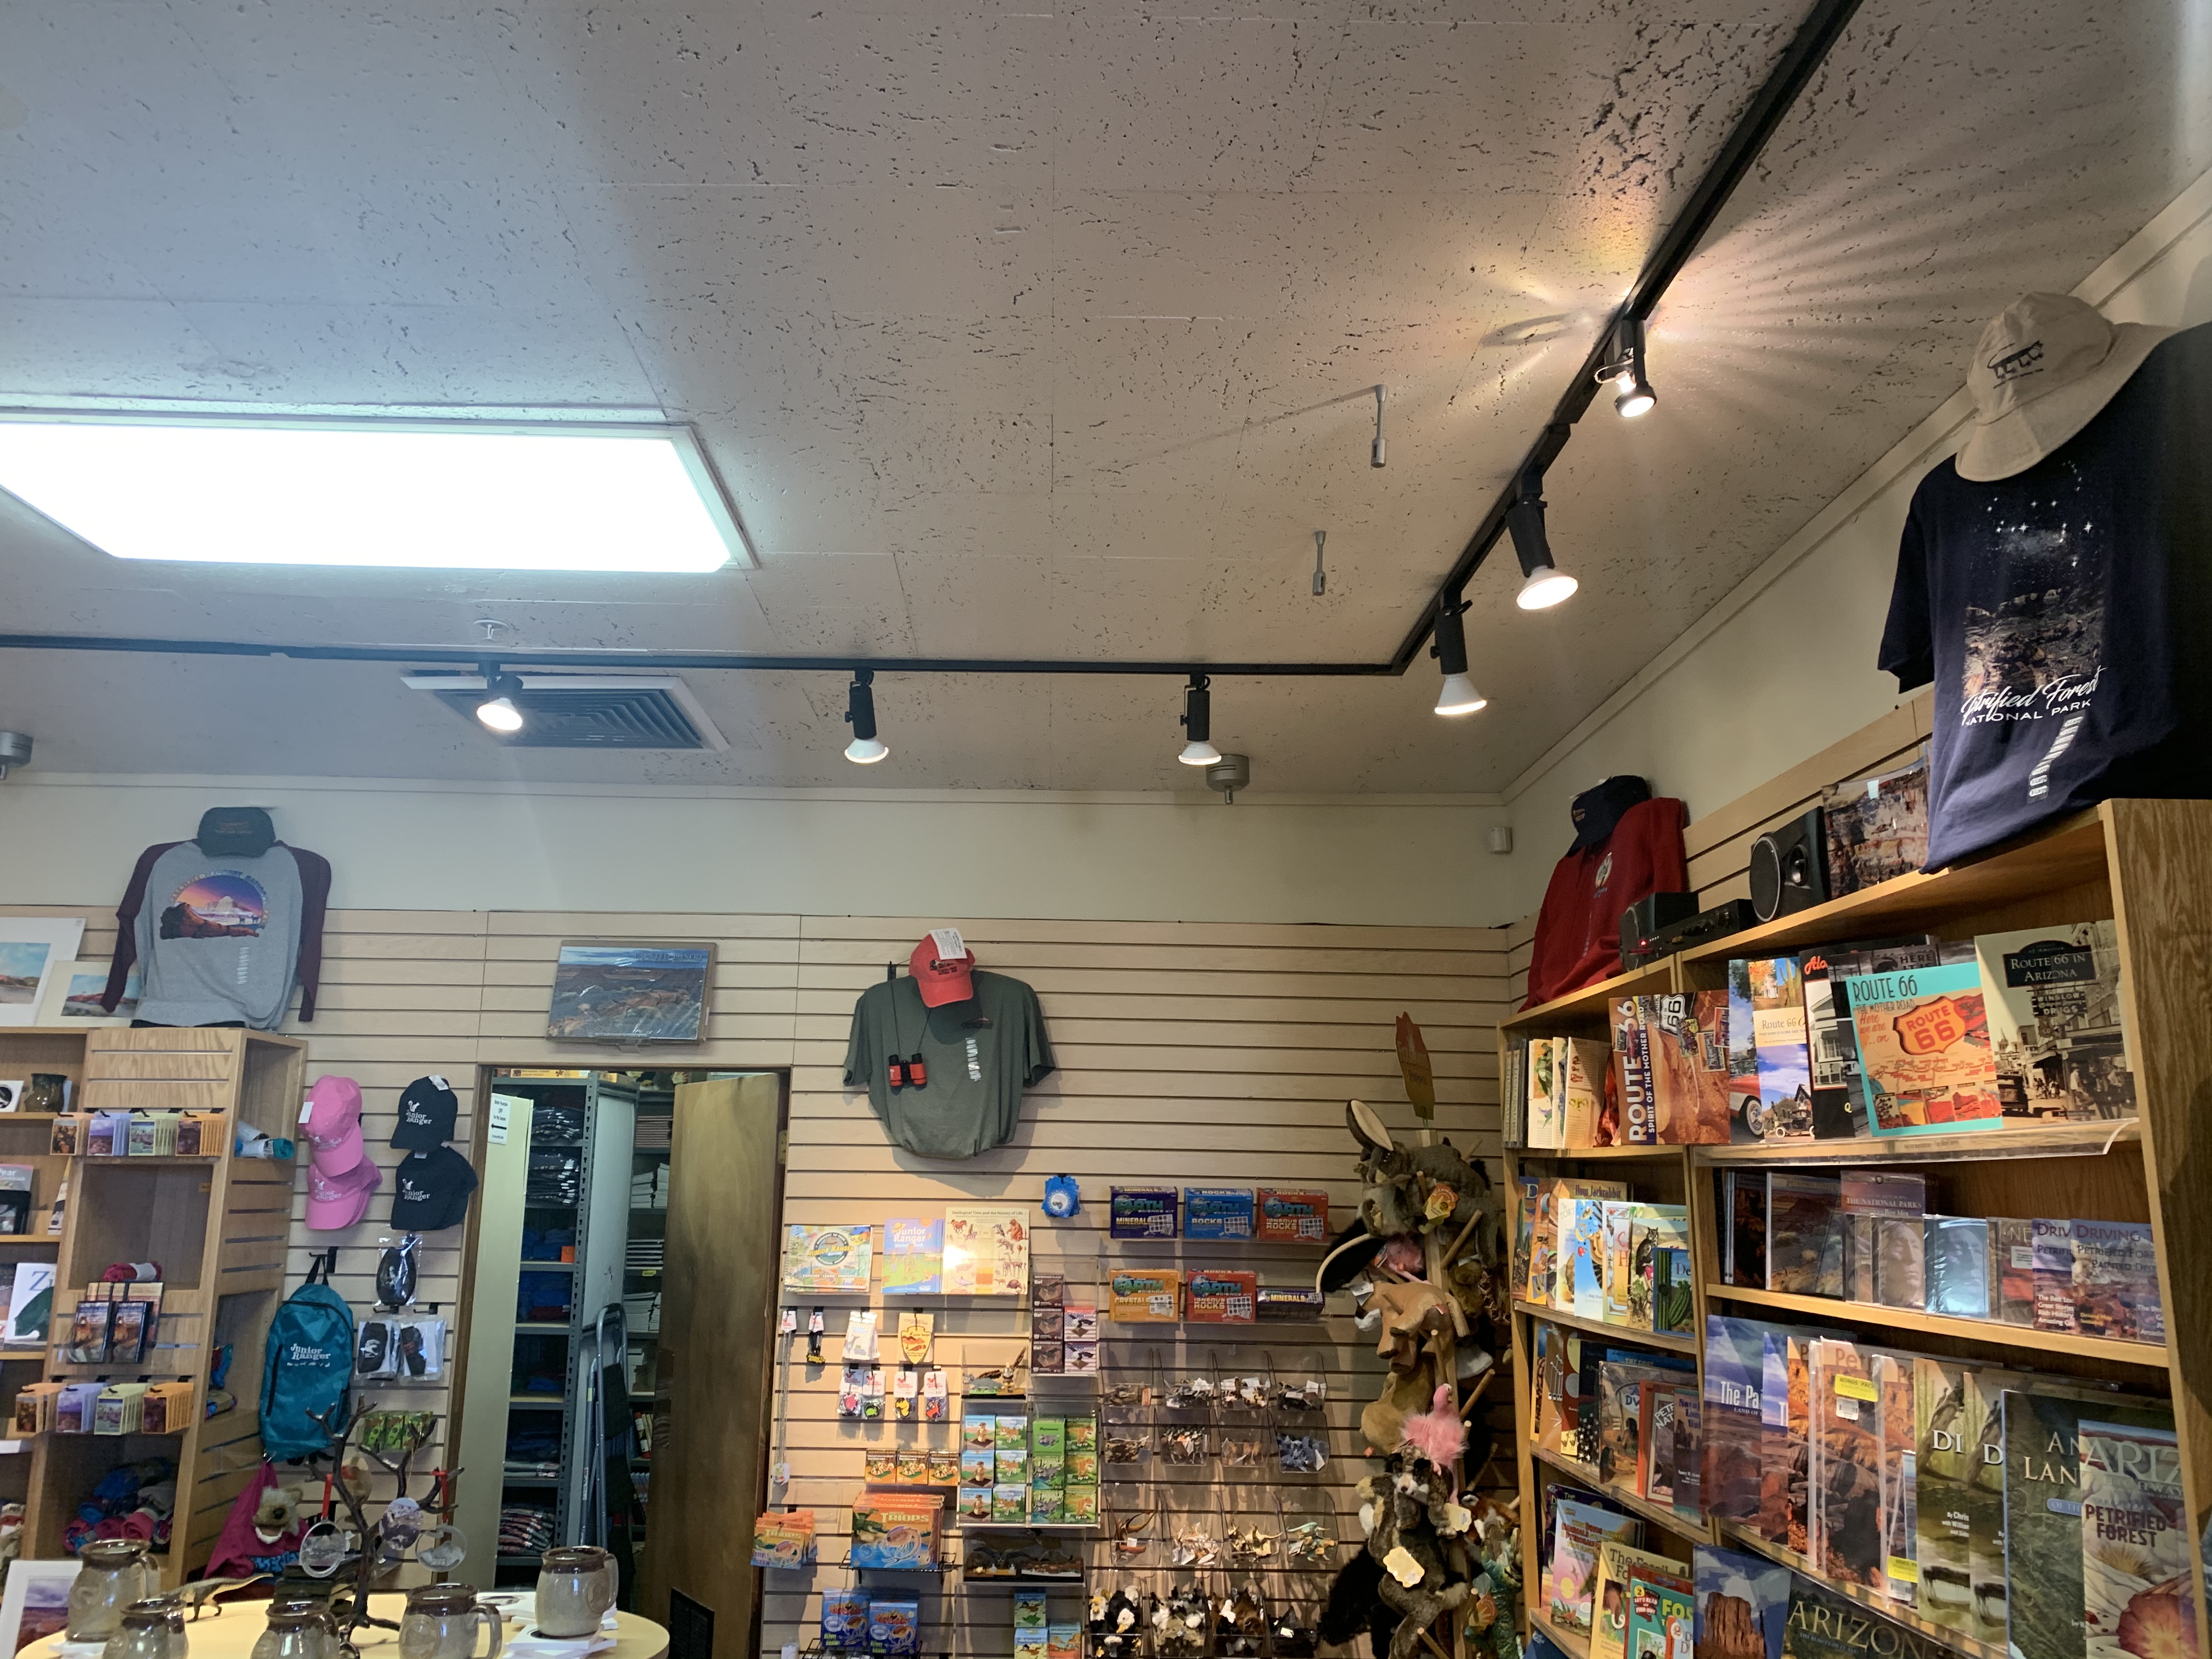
<point>935,1398</point>
<point>872,1393</point>
<point>860,1335</point>
<point>814,1331</point>
<point>852,1392</point>
<point>916,1331</point>
<point>1301,1454</point>
<point>906,1389</point>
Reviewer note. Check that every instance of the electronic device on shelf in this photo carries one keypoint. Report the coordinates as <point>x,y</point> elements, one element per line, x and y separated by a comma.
<point>1790,868</point>
<point>1646,917</point>
<point>1718,922</point>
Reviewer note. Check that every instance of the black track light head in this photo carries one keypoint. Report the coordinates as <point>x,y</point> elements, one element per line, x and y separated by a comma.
<point>1197,724</point>
<point>1633,392</point>
<point>497,711</point>
<point>1458,695</point>
<point>866,748</point>
<point>1542,586</point>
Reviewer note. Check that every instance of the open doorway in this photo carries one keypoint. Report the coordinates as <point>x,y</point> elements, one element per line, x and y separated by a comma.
<point>620,1292</point>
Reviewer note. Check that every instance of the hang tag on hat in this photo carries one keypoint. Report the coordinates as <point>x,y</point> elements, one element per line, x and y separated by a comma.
<point>947,943</point>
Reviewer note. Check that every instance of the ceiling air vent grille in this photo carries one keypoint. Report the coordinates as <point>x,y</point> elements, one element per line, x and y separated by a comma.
<point>587,711</point>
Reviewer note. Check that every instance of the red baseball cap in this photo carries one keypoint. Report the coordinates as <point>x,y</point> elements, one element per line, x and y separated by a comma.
<point>942,979</point>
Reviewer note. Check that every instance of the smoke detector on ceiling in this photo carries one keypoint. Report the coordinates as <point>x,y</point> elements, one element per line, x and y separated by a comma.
<point>585,711</point>
<point>14,750</point>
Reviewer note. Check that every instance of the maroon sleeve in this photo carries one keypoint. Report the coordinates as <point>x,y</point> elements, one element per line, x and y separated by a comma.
<point>314,900</point>
<point>126,932</point>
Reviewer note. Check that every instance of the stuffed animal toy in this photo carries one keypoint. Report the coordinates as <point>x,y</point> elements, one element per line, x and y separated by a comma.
<point>1418,1581</point>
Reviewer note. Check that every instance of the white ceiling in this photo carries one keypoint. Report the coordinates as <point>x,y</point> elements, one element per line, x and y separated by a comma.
<point>1023,333</point>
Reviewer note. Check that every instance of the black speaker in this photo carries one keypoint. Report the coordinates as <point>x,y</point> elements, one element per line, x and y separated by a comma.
<point>1641,920</point>
<point>1790,868</point>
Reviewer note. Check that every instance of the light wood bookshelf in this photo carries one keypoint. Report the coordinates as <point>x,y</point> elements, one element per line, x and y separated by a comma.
<point>217,1225</point>
<point>2145,865</point>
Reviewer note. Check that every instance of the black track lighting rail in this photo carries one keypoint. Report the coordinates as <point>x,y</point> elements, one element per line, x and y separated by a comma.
<point>1801,60</point>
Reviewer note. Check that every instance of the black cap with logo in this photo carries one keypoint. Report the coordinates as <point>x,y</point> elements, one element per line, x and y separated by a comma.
<point>427,1111</point>
<point>431,1190</point>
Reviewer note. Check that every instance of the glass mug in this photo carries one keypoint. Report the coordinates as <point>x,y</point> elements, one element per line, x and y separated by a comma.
<point>441,1623</point>
<point>116,1573</point>
<point>148,1630</point>
<point>295,1633</point>
<point>576,1587</point>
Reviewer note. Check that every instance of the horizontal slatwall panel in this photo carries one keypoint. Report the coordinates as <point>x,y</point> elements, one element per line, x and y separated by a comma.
<point>1205,1054</point>
<point>1188,1055</point>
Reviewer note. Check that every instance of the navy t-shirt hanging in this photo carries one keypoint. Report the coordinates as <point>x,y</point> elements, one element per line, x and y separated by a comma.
<point>2062,612</point>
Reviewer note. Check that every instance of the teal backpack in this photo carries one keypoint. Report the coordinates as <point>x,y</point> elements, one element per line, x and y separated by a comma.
<point>308,1368</point>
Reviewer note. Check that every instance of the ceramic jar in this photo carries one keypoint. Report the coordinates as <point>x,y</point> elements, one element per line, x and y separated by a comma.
<point>295,1632</point>
<point>116,1573</point>
<point>576,1588</point>
<point>441,1623</point>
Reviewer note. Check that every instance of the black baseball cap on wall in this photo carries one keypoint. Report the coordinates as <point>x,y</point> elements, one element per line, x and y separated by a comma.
<point>431,1190</point>
<point>427,1110</point>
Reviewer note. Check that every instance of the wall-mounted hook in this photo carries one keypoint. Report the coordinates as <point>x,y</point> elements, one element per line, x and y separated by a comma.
<point>1376,456</point>
<point>1321,575</point>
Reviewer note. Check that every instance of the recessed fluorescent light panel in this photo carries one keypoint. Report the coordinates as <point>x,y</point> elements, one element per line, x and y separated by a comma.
<point>406,495</point>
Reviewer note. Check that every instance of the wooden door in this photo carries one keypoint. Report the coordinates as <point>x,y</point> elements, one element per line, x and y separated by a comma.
<point>711,1384</point>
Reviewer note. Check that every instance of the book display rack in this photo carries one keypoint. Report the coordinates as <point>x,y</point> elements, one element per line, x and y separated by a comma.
<point>215,1222</point>
<point>2146,866</point>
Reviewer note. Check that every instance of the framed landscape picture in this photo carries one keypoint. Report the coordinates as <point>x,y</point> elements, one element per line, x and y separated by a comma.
<point>615,993</point>
<point>31,950</point>
<point>73,993</point>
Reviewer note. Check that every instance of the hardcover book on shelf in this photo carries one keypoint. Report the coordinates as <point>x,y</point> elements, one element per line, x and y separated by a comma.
<point>1617,1563</point>
<point>1985,1487</point>
<point>1579,1529</point>
<point>1924,1043</point>
<point>1549,1364</point>
<point>1660,1297</point>
<point>1686,1045</point>
<point>1804,1234</point>
<point>1743,1245</point>
<point>1778,1020</point>
<point>1620,1220</point>
<point>1743,1602</point>
<point>1623,1453</point>
<point>2116,1281</point>
<point>1742,1057</point>
<point>1582,1246</point>
<point>1884,1192</point>
<point>1631,1069</point>
<point>2013,1247</point>
<point>1945,1436</point>
<point>1658,1404</point>
<point>1554,1199</point>
<point>2051,1252</point>
<point>2044,1521</point>
<point>1731,1422</point>
<point>1526,1194</point>
<point>1893,1373</point>
<point>2134,1543</point>
<point>1689,1454</point>
<point>1584,1067</point>
<point>1956,1257</point>
<point>2055,1025</point>
<point>1513,1094</point>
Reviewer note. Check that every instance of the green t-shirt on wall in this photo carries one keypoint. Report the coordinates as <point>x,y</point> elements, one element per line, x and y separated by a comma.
<point>979,1055</point>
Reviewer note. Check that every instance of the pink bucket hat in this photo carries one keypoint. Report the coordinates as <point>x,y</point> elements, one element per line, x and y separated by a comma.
<point>339,1200</point>
<point>332,1125</point>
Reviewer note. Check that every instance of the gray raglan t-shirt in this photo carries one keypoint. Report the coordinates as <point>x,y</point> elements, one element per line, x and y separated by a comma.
<point>979,1055</point>
<point>219,937</point>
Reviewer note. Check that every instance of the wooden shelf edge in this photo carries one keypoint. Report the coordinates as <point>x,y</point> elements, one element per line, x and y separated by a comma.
<point>1989,1332</point>
<point>2091,1139</point>
<point>1643,1508</point>
<point>1559,1154</point>
<point>1628,1334</point>
<point>1650,980</point>
<point>1740,1537</point>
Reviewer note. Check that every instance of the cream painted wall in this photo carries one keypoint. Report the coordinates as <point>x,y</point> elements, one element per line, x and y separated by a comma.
<point>1784,665</point>
<point>434,846</point>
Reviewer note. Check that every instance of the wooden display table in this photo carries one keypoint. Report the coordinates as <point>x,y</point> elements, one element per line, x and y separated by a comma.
<point>229,1633</point>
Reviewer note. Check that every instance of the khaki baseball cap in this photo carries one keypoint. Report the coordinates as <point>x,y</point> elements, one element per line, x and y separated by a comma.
<point>2045,365</point>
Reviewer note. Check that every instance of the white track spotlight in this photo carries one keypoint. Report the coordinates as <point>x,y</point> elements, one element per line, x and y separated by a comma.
<point>1459,696</point>
<point>1541,585</point>
<point>1198,724</point>
<point>497,711</point>
<point>1633,392</point>
<point>866,748</point>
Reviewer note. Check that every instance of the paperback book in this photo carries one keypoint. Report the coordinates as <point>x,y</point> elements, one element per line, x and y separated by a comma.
<point>1743,1246</point>
<point>1660,1297</point>
<point>914,1255</point>
<point>1824,1624</point>
<point>1784,1410</point>
<point>1661,1620</point>
<point>1845,1522</point>
<point>2051,1245</point>
<point>1743,1603</point>
<point>1743,1058</point>
<point>1582,1246</point>
<point>1544,1104</point>
<point>1945,1437</point>
<point>1778,1020</point>
<point>1617,1564</point>
<point>1734,1372</point>
<point>2014,1248</point>
<point>1925,1042</point>
<point>1579,1529</point>
<point>2055,1030</point>
<point>1956,1258</point>
<point>1584,1068</point>
<point>2134,1542</point>
<point>2116,1291</point>
<point>1832,1052</point>
<point>1631,1067</point>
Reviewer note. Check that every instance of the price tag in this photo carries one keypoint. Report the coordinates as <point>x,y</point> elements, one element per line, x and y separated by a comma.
<point>1858,1388</point>
<point>948,943</point>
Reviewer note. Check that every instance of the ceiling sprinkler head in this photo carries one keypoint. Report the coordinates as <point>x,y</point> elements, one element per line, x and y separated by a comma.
<point>1229,775</point>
